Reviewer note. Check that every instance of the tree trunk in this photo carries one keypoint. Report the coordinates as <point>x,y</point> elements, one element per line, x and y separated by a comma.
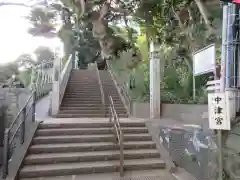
<point>129,30</point>
<point>204,13</point>
<point>189,40</point>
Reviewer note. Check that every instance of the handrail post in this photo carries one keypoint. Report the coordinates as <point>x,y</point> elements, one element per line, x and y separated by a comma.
<point>34,106</point>
<point>5,154</point>
<point>110,114</point>
<point>121,155</point>
<point>117,133</point>
<point>22,128</point>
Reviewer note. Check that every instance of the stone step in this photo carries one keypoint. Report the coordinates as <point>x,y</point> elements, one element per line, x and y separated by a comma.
<point>88,138</point>
<point>86,111</point>
<point>89,125</point>
<point>87,83</point>
<point>83,99</point>
<point>93,91</point>
<point>87,147</point>
<point>88,167</point>
<point>88,131</point>
<point>81,104</point>
<point>80,115</point>
<point>70,96</point>
<point>83,87</point>
<point>74,94</point>
<point>54,158</point>
<point>67,107</point>
<point>77,104</point>
<point>82,95</point>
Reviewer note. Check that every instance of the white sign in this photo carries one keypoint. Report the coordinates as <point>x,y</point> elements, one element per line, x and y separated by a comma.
<point>204,60</point>
<point>213,85</point>
<point>218,111</point>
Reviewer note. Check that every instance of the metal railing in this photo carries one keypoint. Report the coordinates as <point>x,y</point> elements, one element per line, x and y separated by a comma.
<point>118,134</point>
<point>15,135</point>
<point>41,79</point>
<point>122,89</point>
<point>101,90</point>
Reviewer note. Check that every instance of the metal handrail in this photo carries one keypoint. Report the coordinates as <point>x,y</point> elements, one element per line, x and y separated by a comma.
<point>118,134</point>
<point>11,133</point>
<point>122,88</point>
<point>101,90</point>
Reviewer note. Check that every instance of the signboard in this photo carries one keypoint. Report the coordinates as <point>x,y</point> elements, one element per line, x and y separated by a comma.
<point>218,112</point>
<point>204,60</point>
<point>213,85</point>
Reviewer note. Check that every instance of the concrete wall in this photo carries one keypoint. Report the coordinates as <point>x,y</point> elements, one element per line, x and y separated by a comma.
<point>191,148</point>
<point>187,113</point>
<point>14,100</point>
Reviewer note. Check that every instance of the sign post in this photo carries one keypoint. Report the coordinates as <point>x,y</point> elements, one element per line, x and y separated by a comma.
<point>222,84</point>
<point>204,61</point>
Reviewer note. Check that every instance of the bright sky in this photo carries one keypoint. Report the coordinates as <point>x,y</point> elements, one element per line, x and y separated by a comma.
<point>14,39</point>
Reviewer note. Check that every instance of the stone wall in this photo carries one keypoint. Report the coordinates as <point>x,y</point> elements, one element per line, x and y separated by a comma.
<point>187,113</point>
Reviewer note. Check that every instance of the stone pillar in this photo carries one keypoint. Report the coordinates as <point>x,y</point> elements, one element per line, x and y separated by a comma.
<point>154,81</point>
<point>55,95</point>
<point>76,60</point>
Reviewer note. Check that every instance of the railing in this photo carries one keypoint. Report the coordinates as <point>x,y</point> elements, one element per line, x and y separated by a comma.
<point>118,134</point>
<point>15,135</point>
<point>61,73</point>
<point>41,79</point>
<point>65,73</point>
<point>101,90</point>
<point>122,90</point>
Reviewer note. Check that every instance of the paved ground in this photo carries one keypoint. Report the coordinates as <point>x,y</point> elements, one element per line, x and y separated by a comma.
<point>133,175</point>
<point>42,108</point>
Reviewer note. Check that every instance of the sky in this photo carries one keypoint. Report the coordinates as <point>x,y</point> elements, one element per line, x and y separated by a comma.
<point>14,39</point>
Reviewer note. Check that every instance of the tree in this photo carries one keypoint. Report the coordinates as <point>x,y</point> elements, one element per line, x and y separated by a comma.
<point>44,54</point>
<point>26,61</point>
<point>42,19</point>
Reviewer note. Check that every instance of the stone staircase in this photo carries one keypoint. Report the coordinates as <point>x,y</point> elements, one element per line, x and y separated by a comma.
<point>66,149</point>
<point>82,96</point>
<point>109,89</point>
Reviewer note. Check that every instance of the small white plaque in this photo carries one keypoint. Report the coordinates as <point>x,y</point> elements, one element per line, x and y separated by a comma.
<point>218,111</point>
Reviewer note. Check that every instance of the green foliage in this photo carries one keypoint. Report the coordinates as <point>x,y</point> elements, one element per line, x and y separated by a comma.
<point>44,54</point>
<point>143,46</point>
<point>42,19</point>
<point>25,77</point>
